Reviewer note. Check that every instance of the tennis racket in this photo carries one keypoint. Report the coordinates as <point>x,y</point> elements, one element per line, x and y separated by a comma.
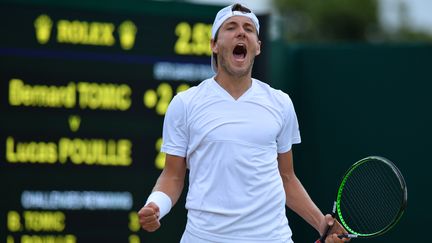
<point>371,198</point>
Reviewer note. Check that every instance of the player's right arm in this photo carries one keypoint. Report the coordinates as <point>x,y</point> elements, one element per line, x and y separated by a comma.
<point>171,183</point>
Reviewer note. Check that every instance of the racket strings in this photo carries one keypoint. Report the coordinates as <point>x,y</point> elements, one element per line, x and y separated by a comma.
<point>375,195</point>
<point>358,202</point>
<point>355,206</point>
<point>371,197</point>
<point>390,198</point>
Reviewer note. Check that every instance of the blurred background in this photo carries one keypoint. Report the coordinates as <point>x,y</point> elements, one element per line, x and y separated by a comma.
<point>85,86</point>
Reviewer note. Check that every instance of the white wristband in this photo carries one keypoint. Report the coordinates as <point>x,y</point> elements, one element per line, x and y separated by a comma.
<point>162,200</point>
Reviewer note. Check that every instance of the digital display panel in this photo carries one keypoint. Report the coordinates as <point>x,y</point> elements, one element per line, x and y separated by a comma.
<point>83,97</point>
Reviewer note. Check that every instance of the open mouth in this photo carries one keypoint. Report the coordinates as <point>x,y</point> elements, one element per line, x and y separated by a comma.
<point>240,51</point>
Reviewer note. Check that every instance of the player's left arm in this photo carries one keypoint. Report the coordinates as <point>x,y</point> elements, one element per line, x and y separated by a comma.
<point>298,200</point>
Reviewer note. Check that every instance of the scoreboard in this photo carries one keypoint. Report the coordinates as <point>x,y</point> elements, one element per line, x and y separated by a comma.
<point>84,91</point>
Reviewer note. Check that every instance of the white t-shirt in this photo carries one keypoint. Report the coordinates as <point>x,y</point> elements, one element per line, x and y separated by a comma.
<point>235,190</point>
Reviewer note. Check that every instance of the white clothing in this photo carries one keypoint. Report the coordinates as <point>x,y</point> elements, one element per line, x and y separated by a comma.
<point>235,190</point>
<point>188,237</point>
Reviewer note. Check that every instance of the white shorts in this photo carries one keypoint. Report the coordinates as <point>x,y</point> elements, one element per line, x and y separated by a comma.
<point>187,237</point>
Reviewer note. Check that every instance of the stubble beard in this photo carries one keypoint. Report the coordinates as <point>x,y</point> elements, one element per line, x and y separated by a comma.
<point>238,73</point>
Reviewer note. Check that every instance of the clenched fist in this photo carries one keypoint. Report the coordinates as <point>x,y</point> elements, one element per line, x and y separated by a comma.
<point>149,217</point>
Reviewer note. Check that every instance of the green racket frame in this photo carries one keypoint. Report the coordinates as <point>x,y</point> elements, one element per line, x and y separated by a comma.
<point>337,206</point>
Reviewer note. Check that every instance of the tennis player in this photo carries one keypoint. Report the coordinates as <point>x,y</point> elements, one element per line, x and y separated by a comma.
<point>234,135</point>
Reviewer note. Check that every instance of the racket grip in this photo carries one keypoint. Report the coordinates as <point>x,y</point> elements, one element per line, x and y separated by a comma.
<point>324,236</point>
<point>322,239</point>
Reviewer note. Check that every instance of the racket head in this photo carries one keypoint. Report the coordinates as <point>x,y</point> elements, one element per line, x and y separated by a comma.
<point>371,198</point>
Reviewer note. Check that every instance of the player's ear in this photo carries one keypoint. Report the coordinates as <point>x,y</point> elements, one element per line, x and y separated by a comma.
<point>258,50</point>
<point>214,46</point>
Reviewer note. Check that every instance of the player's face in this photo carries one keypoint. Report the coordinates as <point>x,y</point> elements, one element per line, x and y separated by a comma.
<point>236,46</point>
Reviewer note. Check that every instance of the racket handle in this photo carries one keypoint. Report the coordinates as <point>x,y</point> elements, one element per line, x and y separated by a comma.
<point>322,239</point>
<point>324,236</point>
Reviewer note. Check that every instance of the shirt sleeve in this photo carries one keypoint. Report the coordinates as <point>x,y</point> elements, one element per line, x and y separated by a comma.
<point>175,135</point>
<point>290,133</point>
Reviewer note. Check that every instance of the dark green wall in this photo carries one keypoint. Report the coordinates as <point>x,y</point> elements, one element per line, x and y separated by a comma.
<point>358,100</point>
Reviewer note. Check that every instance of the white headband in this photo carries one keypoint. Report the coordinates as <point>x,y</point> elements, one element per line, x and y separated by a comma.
<point>223,15</point>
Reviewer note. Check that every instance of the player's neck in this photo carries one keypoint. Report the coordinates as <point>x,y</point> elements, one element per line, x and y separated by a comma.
<point>235,86</point>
